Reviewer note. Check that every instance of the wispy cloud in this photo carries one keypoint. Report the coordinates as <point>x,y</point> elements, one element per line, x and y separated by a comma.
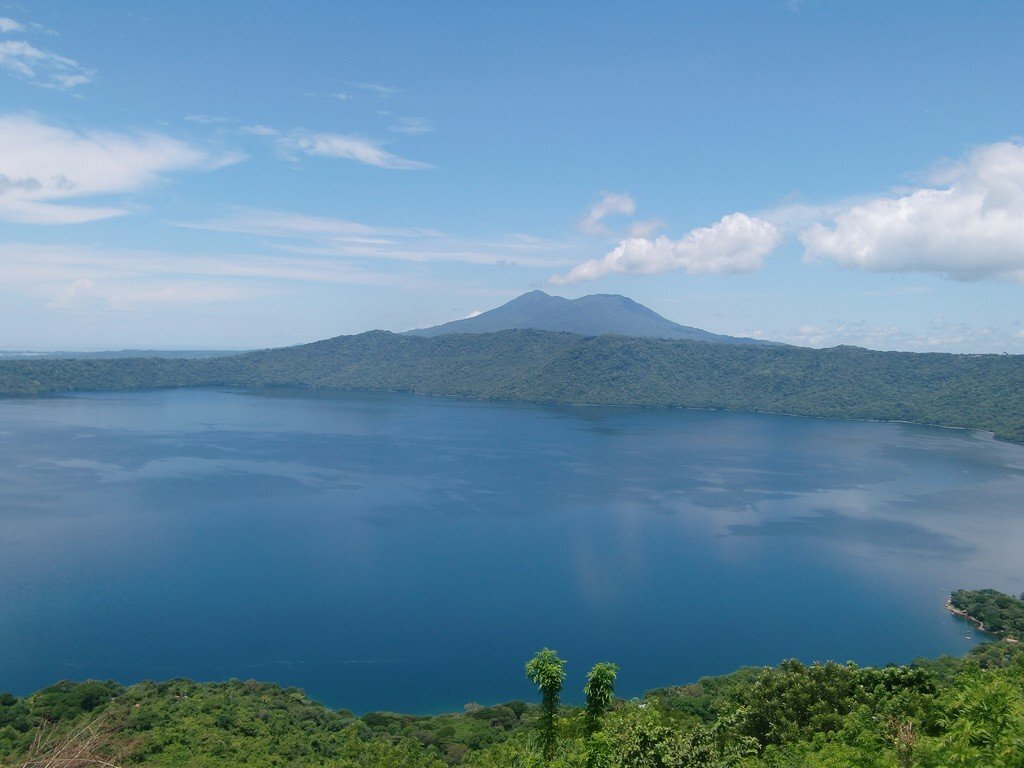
<point>9,25</point>
<point>209,119</point>
<point>125,295</point>
<point>735,243</point>
<point>283,224</point>
<point>412,126</point>
<point>939,335</point>
<point>42,166</point>
<point>259,130</point>
<point>345,147</point>
<point>42,68</point>
<point>610,204</point>
<point>968,225</point>
<point>112,278</point>
<point>384,91</point>
<point>340,238</point>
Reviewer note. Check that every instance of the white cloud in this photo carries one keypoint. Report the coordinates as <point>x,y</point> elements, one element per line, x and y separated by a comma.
<point>412,126</point>
<point>77,276</point>
<point>9,25</point>
<point>127,295</point>
<point>326,237</point>
<point>610,205</point>
<point>384,91</point>
<point>345,147</point>
<point>209,119</point>
<point>735,243</point>
<point>937,336</point>
<point>82,291</point>
<point>645,228</point>
<point>283,224</point>
<point>42,165</point>
<point>259,130</point>
<point>968,226</point>
<point>42,68</point>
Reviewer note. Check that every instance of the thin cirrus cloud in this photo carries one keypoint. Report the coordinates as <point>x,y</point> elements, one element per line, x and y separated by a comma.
<point>42,167</point>
<point>346,147</point>
<point>735,243</point>
<point>39,67</point>
<point>328,237</point>
<point>968,225</point>
<point>81,277</point>
<point>412,126</point>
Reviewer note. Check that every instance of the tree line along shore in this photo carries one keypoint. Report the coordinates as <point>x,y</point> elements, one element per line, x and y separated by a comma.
<point>984,392</point>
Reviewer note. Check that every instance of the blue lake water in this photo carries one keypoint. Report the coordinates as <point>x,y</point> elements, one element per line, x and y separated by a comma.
<point>400,552</point>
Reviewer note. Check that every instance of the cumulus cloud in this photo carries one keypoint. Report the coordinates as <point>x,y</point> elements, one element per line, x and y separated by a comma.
<point>968,225</point>
<point>610,205</point>
<point>645,228</point>
<point>735,243</point>
<point>43,68</point>
<point>41,166</point>
<point>346,147</point>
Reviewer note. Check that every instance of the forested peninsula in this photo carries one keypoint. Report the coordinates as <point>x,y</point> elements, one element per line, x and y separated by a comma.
<point>992,611</point>
<point>954,390</point>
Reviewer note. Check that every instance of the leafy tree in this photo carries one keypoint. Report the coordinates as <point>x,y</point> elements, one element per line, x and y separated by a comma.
<point>599,690</point>
<point>984,720</point>
<point>547,671</point>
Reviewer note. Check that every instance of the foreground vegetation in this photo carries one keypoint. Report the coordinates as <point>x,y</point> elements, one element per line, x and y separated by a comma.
<point>946,712</point>
<point>976,391</point>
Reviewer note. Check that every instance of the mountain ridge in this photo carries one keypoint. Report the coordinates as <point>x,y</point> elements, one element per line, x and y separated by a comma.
<point>593,315</point>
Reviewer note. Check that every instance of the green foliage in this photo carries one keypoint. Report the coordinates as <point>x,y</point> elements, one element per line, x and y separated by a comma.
<point>977,391</point>
<point>1002,653</point>
<point>943,713</point>
<point>547,671</point>
<point>983,717</point>
<point>1000,614</point>
<point>599,690</point>
<point>67,700</point>
<point>795,702</point>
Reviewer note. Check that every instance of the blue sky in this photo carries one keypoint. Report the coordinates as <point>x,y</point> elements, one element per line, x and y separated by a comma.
<point>239,175</point>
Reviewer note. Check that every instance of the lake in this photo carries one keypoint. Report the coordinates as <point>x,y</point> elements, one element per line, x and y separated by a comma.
<point>389,551</point>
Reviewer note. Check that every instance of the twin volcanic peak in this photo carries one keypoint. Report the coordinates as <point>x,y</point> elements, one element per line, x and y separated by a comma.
<point>593,315</point>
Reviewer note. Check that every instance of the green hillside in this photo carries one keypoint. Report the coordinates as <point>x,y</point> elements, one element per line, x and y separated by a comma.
<point>948,712</point>
<point>976,391</point>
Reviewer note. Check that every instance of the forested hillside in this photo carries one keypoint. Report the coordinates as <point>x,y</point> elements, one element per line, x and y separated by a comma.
<point>977,391</point>
<point>948,712</point>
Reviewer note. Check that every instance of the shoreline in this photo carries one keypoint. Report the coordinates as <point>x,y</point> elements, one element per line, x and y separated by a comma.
<point>979,625</point>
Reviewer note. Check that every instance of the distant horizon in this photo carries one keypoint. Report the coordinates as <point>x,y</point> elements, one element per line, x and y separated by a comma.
<point>198,348</point>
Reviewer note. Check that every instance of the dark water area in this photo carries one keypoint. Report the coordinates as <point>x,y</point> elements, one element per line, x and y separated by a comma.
<point>399,552</point>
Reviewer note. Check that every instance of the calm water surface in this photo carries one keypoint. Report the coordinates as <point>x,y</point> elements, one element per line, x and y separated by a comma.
<point>410,553</point>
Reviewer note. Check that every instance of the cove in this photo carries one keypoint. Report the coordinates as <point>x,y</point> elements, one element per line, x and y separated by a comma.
<point>401,552</point>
